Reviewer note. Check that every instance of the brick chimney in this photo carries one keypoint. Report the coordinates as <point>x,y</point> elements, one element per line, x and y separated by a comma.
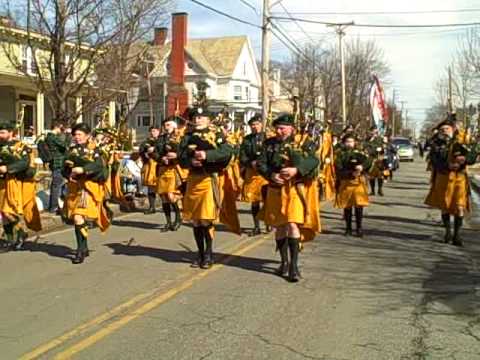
<point>160,36</point>
<point>177,93</point>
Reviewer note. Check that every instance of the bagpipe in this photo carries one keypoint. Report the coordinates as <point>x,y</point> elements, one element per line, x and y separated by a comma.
<point>352,161</point>
<point>7,157</point>
<point>81,157</point>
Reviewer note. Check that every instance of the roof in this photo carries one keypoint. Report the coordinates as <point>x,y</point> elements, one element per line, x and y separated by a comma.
<point>218,56</point>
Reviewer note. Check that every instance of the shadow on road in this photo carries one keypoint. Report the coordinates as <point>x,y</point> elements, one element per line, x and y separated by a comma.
<point>185,256</point>
<point>53,250</point>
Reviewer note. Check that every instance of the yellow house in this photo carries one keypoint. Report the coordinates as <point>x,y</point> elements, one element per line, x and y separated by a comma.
<point>20,95</point>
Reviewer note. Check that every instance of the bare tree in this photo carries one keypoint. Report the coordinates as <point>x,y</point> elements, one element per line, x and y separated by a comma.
<point>85,48</point>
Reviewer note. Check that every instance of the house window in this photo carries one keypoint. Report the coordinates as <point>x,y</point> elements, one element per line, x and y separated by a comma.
<point>237,92</point>
<point>144,120</point>
<point>28,62</point>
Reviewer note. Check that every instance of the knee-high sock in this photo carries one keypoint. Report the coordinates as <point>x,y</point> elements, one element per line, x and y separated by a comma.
<point>198,233</point>
<point>8,228</point>
<point>348,214</point>
<point>372,185</point>
<point>209,232</point>
<point>255,211</point>
<point>151,200</point>
<point>166,206</point>
<point>359,217</point>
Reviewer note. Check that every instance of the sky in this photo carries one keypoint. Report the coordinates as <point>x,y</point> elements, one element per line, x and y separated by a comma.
<point>417,57</point>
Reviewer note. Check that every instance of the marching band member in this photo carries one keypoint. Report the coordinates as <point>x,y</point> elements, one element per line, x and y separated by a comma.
<point>250,151</point>
<point>291,203</point>
<point>86,172</point>
<point>169,172</point>
<point>17,188</point>
<point>204,151</point>
<point>450,189</point>
<point>351,166</point>
<point>375,149</point>
<point>149,168</point>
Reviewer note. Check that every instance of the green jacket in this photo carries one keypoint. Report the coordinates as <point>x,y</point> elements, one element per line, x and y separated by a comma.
<point>347,159</point>
<point>278,154</point>
<point>210,140</point>
<point>58,145</point>
<point>16,156</point>
<point>91,160</point>
<point>251,149</point>
<point>444,150</point>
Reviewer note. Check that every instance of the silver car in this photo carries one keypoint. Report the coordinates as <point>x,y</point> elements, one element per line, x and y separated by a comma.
<point>405,149</point>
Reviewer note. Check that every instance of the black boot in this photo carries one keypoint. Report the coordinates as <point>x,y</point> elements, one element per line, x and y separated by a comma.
<point>358,221</point>
<point>256,224</point>
<point>178,217</point>
<point>208,231</point>
<point>282,247</point>
<point>448,228</point>
<point>199,239</point>
<point>80,253</point>
<point>380,187</point>
<point>372,186</point>
<point>151,204</point>
<point>458,223</point>
<point>293,273</point>
<point>168,216</point>
<point>9,237</point>
<point>21,236</point>
<point>347,213</point>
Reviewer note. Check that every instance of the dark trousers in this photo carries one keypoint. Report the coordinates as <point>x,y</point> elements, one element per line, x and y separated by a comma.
<point>55,189</point>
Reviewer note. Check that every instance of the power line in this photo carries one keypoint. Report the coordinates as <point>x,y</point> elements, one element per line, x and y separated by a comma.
<point>225,14</point>
<point>378,25</point>
<point>296,22</point>
<point>388,12</point>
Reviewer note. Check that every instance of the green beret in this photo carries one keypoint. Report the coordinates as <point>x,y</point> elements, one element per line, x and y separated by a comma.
<point>255,118</point>
<point>83,127</point>
<point>200,111</point>
<point>7,125</point>
<point>284,119</point>
<point>176,119</point>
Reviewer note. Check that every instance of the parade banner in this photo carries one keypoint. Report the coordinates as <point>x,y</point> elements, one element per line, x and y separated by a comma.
<point>378,105</point>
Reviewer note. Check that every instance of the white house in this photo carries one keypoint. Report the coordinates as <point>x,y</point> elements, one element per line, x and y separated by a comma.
<point>226,64</point>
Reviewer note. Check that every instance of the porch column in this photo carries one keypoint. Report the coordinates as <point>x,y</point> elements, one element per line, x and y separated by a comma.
<point>111,113</point>
<point>79,109</point>
<point>40,110</point>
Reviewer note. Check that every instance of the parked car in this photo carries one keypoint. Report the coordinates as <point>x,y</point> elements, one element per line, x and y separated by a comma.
<point>405,149</point>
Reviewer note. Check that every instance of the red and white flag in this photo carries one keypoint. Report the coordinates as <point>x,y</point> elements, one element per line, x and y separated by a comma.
<point>377,103</point>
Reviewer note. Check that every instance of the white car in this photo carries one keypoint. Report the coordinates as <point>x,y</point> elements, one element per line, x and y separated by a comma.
<point>405,150</point>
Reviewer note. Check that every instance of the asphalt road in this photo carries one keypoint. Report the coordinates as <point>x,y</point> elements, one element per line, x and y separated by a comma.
<point>398,293</point>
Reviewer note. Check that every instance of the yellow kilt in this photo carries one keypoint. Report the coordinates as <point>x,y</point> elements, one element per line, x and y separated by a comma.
<point>168,180</point>
<point>149,174</point>
<point>17,198</point>
<point>199,201</point>
<point>284,205</point>
<point>352,193</point>
<point>252,186</point>
<point>85,198</point>
<point>328,174</point>
<point>449,192</point>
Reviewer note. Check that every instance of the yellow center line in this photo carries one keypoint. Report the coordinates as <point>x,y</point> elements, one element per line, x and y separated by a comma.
<point>110,314</point>
<point>143,309</point>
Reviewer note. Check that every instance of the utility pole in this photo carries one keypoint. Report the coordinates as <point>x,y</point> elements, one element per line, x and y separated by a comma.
<point>403,102</point>
<point>266,38</point>
<point>450,91</point>
<point>340,30</point>
<point>406,120</point>
<point>394,108</point>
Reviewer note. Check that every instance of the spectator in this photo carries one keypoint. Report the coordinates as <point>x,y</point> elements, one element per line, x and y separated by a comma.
<point>58,142</point>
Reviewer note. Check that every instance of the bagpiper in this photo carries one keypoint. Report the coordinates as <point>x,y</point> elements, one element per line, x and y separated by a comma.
<point>203,151</point>
<point>169,173</point>
<point>86,173</point>
<point>17,188</point>
<point>351,165</point>
<point>250,151</point>
<point>291,203</point>
<point>149,167</point>
<point>450,190</point>
<point>374,146</point>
